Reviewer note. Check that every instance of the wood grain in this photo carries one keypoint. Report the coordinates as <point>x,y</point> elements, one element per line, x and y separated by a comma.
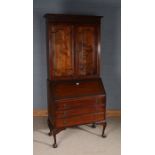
<point>77,88</point>
<point>61,54</point>
<point>86,43</point>
<point>87,118</point>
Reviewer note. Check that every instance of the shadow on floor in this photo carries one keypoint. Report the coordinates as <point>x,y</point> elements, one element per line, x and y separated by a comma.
<point>41,142</point>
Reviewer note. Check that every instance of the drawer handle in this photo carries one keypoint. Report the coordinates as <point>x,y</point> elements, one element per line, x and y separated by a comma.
<point>65,122</point>
<point>65,113</point>
<point>66,106</point>
<point>97,101</point>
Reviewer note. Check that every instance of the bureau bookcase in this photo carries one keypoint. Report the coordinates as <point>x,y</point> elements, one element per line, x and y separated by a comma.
<point>76,95</point>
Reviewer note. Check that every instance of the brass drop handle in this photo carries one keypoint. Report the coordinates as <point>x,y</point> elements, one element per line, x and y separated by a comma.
<point>66,106</point>
<point>65,113</point>
<point>97,101</point>
<point>65,122</point>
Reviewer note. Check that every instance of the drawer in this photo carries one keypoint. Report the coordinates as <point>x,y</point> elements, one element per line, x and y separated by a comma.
<point>79,102</point>
<point>79,111</point>
<point>79,120</point>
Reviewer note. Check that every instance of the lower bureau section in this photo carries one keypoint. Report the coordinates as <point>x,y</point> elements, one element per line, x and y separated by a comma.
<point>82,119</point>
<point>73,103</point>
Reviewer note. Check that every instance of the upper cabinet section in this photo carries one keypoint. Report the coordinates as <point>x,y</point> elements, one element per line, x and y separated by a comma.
<point>73,46</point>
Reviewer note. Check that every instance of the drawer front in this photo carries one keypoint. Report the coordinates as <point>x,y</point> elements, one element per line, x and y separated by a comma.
<point>79,102</point>
<point>78,111</point>
<point>83,119</point>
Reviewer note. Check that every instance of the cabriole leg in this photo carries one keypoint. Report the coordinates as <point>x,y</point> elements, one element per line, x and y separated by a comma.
<point>104,126</point>
<point>93,125</point>
<point>54,136</point>
<point>50,127</point>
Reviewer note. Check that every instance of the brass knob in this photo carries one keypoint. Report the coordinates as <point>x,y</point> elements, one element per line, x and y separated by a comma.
<point>77,83</point>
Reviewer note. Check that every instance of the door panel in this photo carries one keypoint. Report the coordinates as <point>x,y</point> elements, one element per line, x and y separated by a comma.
<point>61,56</point>
<point>86,50</point>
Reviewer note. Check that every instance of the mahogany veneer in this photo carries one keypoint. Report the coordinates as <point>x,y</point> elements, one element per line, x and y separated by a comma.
<point>76,94</point>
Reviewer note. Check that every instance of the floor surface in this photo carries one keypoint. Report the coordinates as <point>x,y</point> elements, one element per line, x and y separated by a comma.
<point>81,140</point>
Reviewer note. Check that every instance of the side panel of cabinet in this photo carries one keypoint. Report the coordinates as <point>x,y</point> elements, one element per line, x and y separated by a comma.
<point>61,56</point>
<point>86,40</point>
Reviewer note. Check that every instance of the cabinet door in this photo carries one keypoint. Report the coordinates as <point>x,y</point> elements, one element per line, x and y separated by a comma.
<point>86,50</point>
<point>61,56</point>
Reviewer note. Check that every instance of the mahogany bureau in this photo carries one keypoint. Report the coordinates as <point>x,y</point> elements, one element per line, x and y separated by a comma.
<point>76,95</point>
